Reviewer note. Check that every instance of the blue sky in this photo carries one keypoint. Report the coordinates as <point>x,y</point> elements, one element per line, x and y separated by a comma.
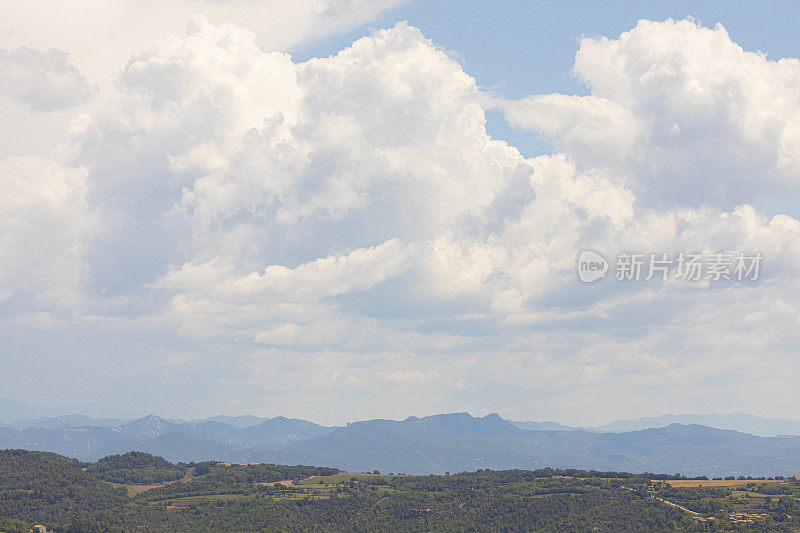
<point>347,209</point>
<point>518,48</point>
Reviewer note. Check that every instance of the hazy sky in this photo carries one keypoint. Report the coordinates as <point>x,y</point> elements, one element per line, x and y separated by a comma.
<point>348,209</point>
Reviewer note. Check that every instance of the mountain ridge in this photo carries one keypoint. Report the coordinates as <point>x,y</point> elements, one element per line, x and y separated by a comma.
<point>432,444</point>
<point>746,423</point>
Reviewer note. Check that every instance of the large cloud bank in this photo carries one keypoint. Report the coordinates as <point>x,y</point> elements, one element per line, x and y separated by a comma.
<point>345,227</point>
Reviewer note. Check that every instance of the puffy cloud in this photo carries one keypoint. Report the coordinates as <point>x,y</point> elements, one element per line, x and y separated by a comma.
<point>124,26</point>
<point>275,180</point>
<point>101,36</point>
<point>385,143</point>
<point>349,223</point>
<point>43,80</point>
<point>361,269</point>
<point>46,225</point>
<point>681,114</point>
<point>204,91</point>
<point>390,120</point>
<point>183,108</point>
<point>273,164</point>
<point>600,128</point>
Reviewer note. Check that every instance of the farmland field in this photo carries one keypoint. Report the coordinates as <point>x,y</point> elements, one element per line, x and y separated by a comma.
<point>718,482</point>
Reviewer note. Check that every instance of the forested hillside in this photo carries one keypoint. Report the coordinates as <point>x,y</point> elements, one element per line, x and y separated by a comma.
<point>46,487</point>
<point>69,496</point>
<point>135,467</point>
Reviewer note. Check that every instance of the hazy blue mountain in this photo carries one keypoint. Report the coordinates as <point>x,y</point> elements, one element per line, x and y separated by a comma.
<point>542,426</point>
<point>85,443</point>
<point>55,421</point>
<point>280,430</point>
<point>754,425</point>
<point>269,433</point>
<point>240,422</point>
<point>172,439</point>
<point>465,424</point>
<point>91,443</point>
<point>451,442</point>
<point>433,444</point>
<point>218,432</point>
<point>11,411</point>
<point>438,443</point>
<point>177,447</point>
<point>151,426</point>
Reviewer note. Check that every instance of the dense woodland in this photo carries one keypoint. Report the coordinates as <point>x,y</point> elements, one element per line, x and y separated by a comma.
<point>70,496</point>
<point>136,467</point>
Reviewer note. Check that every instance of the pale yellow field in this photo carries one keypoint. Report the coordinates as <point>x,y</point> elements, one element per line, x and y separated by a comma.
<point>285,483</point>
<point>715,483</point>
<point>133,490</point>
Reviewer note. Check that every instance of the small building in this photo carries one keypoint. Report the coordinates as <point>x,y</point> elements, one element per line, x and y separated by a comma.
<point>39,529</point>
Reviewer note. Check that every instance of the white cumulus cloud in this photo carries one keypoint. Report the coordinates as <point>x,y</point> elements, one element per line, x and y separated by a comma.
<point>46,225</point>
<point>43,80</point>
<point>347,223</point>
<point>687,116</point>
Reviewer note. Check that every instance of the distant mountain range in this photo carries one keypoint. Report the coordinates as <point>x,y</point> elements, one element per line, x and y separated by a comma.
<point>544,426</point>
<point>21,415</point>
<point>743,423</point>
<point>177,441</point>
<point>755,425</point>
<point>11,411</point>
<point>434,444</point>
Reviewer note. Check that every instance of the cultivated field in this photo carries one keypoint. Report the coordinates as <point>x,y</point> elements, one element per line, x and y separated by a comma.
<point>715,482</point>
